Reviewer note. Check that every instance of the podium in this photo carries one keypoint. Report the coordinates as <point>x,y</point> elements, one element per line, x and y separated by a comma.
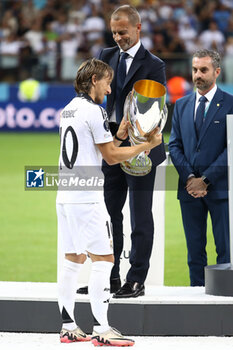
<point>219,278</point>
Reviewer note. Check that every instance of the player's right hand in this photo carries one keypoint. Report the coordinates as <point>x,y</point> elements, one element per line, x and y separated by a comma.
<point>155,138</point>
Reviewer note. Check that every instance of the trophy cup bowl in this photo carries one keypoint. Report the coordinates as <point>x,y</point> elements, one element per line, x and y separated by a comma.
<point>145,109</point>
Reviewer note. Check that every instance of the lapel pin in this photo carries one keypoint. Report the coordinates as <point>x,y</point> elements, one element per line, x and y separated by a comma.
<point>218,104</point>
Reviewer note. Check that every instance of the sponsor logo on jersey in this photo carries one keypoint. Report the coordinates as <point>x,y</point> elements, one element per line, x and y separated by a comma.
<point>35,178</point>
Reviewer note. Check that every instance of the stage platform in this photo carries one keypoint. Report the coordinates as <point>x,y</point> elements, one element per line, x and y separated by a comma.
<point>175,311</point>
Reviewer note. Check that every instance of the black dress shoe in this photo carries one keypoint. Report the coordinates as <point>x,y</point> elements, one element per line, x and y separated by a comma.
<point>83,290</point>
<point>130,290</point>
<point>115,285</point>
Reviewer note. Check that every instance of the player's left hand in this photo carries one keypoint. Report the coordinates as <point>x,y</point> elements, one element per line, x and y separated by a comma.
<point>122,132</point>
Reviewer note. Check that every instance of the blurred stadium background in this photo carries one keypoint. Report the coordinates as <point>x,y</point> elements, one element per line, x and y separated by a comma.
<point>42,43</point>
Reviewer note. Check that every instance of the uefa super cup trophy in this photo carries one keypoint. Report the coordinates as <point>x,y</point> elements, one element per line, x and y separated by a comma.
<point>145,109</point>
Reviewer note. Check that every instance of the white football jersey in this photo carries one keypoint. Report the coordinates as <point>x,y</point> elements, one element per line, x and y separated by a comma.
<point>83,124</point>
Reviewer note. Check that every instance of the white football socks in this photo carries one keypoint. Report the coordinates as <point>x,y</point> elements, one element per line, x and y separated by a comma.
<point>99,292</point>
<point>67,287</point>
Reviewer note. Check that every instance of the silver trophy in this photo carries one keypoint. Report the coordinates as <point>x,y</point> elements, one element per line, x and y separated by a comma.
<point>145,109</point>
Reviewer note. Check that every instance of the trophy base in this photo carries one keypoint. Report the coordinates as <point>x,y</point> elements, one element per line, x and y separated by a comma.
<point>136,168</point>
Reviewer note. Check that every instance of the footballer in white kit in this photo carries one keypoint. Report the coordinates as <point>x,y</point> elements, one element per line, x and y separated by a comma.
<point>83,221</point>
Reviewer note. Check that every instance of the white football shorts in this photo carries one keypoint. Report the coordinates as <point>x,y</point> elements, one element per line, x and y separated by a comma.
<point>84,227</point>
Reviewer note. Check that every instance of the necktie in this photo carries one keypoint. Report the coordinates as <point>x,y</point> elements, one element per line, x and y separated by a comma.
<point>200,115</point>
<point>120,78</point>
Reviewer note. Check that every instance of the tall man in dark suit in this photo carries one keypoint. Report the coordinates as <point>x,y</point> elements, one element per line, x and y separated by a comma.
<point>140,64</point>
<point>198,148</point>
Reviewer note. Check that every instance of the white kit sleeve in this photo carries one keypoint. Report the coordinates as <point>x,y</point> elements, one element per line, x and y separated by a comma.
<point>100,126</point>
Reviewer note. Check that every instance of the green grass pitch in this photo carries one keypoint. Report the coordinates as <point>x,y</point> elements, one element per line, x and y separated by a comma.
<point>28,237</point>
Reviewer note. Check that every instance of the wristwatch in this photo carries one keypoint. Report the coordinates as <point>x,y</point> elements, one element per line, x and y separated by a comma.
<point>205,180</point>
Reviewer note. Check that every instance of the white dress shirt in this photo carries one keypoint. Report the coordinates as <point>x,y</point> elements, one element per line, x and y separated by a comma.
<point>131,52</point>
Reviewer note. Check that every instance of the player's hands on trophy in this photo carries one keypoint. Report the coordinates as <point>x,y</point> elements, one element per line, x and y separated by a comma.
<point>154,137</point>
<point>122,132</point>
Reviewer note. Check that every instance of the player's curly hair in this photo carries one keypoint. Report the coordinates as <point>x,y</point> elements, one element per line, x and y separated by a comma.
<point>93,66</point>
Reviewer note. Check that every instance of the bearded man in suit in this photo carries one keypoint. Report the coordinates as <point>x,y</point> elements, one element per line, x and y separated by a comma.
<point>198,149</point>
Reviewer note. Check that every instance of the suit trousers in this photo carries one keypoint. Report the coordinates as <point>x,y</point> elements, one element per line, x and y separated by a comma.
<point>194,216</point>
<point>117,184</point>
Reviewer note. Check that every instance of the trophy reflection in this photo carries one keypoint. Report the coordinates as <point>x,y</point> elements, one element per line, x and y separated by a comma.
<point>145,109</point>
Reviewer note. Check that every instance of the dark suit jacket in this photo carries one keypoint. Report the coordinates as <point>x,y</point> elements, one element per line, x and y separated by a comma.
<point>144,66</point>
<point>206,156</point>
